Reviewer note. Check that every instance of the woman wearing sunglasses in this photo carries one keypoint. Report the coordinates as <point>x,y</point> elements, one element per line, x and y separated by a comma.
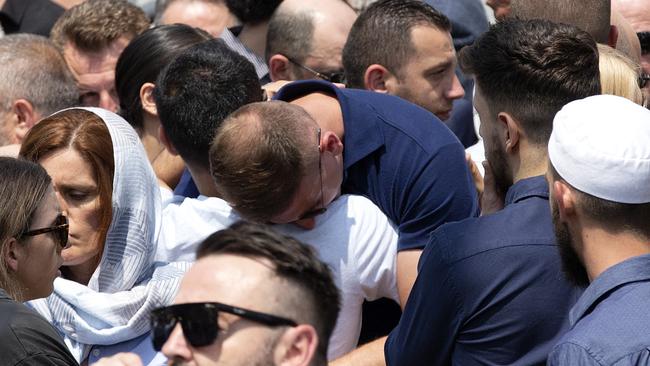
<point>110,195</point>
<point>33,232</point>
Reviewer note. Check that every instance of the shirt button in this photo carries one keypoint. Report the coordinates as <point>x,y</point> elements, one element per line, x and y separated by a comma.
<point>97,352</point>
<point>73,335</point>
<point>68,328</point>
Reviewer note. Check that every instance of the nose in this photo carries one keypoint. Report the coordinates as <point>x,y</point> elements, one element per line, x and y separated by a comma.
<point>176,346</point>
<point>456,90</point>
<point>307,224</point>
<point>107,101</point>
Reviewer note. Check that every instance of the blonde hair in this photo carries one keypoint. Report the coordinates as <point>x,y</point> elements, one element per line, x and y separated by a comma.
<point>619,75</point>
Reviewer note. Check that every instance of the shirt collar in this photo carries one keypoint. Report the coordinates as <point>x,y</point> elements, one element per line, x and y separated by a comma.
<point>527,187</point>
<point>631,270</point>
<point>361,140</point>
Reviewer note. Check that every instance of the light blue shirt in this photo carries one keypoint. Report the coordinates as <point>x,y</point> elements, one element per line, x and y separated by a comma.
<point>142,346</point>
<point>610,324</point>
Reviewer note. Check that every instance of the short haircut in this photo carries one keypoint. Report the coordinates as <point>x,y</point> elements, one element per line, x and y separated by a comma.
<point>197,91</point>
<point>34,69</point>
<point>619,75</point>
<point>87,134</point>
<point>23,186</point>
<point>294,262</point>
<point>290,33</point>
<point>253,11</point>
<point>382,35</point>
<point>94,24</point>
<point>592,16</point>
<point>531,68</point>
<point>261,154</point>
<point>613,216</point>
<point>143,60</point>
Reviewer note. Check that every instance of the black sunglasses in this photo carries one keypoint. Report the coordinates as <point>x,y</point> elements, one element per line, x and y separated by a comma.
<point>334,77</point>
<point>199,321</point>
<point>60,230</point>
<point>643,80</point>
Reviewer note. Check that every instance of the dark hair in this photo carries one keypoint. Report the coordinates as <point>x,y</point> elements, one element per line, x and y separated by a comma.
<point>644,40</point>
<point>23,185</point>
<point>253,11</point>
<point>144,58</point>
<point>197,91</point>
<point>615,217</point>
<point>592,16</point>
<point>382,35</point>
<point>94,24</point>
<point>261,154</point>
<point>531,68</point>
<point>290,33</point>
<point>293,261</point>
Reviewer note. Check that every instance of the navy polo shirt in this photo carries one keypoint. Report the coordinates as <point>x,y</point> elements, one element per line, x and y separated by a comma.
<point>402,158</point>
<point>611,321</point>
<point>490,290</point>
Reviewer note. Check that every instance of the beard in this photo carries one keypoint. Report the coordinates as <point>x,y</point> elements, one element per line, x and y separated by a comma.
<point>574,271</point>
<point>500,168</point>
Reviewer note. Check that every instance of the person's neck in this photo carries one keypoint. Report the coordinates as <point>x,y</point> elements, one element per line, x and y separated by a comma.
<point>325,110</point>
<point>80,273</point>
<point>149,136</point>
<point>203,180</point>
<point>528,162</point>
<point>600,249</point>
<point>254,37</point>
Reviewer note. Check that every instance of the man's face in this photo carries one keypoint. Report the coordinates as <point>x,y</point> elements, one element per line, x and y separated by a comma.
<point>494,149</point>
<point>95,73</point>
<point>319,187</point>
<point>237,281</point>
<point>572,267</point>
<point>428,78</point>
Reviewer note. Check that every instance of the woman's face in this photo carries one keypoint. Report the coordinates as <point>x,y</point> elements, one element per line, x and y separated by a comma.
<point>78,193</point>
<point>40,255</point>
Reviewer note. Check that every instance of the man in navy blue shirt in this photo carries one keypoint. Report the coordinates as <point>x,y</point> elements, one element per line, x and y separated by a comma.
<point>599,156</point>
<point>489,289</point>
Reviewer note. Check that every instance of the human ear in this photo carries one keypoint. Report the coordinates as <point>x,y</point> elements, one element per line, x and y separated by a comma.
<point>12,254</point>
<point>564,200</point>
<point>279,68</point>
<point>147,100</point>
<point>25,115</point>
<point>297,346</point>
<point>511,131</point>
<point>331,142</point>
<point>375,78</point>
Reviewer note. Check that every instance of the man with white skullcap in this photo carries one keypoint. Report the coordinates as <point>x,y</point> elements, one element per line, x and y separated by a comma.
<point>599,178</point>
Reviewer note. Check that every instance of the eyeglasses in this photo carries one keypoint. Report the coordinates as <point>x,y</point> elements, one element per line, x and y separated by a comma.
<point>317,211</point>
<point>643,80</point>
<point>60,230</point>
<point>199,321</point>
<point>335,77</point>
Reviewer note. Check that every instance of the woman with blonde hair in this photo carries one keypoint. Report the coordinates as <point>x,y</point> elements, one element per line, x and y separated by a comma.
<point>33,232</point>
<point>619,75</point>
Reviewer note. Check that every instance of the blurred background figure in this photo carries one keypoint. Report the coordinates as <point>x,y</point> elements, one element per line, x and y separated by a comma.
<point>213,16</point>
<point>33,232</point>
<point>619,75</point>
<point>109,193</point>
<point>637,12</point>
<point>135,74</point>
<point>91,37</point>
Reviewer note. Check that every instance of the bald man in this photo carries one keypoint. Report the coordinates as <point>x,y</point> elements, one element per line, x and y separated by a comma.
<point>305,39</point>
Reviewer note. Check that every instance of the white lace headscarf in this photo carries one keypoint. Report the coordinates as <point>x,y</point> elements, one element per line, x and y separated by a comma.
<point>127,284</point>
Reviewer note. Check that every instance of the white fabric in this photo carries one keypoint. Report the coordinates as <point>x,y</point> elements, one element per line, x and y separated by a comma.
<point>115,305</point>
<point>353,237</point>
<point>601,146</point>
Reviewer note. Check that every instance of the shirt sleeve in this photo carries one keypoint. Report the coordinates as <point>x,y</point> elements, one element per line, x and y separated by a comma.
<point>375,243</point>
<point>426,332</point>
<point>440,191</point>
<point>571,354</point>
<point>46,360</point>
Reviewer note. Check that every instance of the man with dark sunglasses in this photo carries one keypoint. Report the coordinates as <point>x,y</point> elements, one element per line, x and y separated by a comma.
<point>637,12</point>
<point>254,297</point>
<point>306,38</point>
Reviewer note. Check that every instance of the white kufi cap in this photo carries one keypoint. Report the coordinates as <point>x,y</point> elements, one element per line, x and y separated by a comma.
<point>601,146</point>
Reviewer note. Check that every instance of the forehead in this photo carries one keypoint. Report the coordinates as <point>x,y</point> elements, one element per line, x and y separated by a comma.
<point>232,280</point>
<point>68,168</point>
<point>431,43</point>
<point>94,69</point>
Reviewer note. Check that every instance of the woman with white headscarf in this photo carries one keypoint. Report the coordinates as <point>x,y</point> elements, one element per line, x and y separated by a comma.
<point>110,195</point>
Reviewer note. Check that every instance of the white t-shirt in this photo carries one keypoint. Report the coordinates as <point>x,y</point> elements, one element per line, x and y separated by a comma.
<point>353,237</point>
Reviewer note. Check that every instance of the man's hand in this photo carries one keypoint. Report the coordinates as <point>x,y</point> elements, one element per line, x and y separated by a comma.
<point>501,8</point>
<point>476,174</point>
<point>493,198</point>
<point>120,359</point>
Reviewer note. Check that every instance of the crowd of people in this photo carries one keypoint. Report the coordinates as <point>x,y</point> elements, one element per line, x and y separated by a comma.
<point>324,182</point>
